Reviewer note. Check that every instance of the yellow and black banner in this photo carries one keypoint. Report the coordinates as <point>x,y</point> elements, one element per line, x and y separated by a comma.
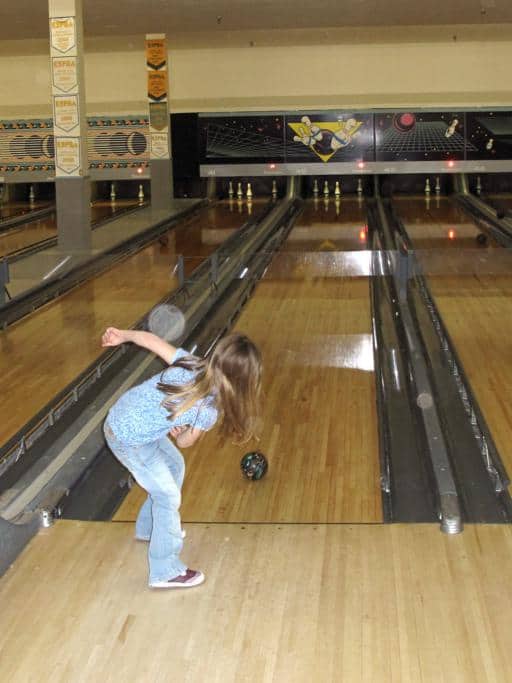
<point>157,85</point>
<point>156,53</point>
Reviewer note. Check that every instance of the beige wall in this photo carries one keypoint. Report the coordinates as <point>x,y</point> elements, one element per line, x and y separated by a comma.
<point>381,73</point>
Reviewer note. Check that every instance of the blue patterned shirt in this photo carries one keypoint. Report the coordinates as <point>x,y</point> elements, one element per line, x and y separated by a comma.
<point>138,416</point>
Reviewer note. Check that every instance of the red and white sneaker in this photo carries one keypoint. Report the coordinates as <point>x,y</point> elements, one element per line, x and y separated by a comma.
<point>187,579</point>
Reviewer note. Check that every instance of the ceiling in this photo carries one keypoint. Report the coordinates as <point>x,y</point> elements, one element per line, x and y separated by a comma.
<point>28,19</point>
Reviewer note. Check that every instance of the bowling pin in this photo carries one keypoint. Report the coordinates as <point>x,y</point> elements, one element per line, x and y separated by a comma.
<point>326,189</point>
<point>337,204</point>
<point>31,195</point>
<point>337,189</point>
<point>478,185</point>
<point>231,191</point>
<point>274,189</point>
<point>315,188</point>
<point>112,192</point>
<point>141,194</point>
<point>249,207</point>
<point>359,186</point>
<point>239,192</point>
<point>451,128</point>
<point>438,185</point>
<point>248,193</point>
<point>489,145</point>
<point>427,186</point>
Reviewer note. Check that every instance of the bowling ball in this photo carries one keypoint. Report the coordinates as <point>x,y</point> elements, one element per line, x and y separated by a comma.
<point>404,122</point>
<point>323,146</point>
<point>481,239</point>
<point>254,465</point>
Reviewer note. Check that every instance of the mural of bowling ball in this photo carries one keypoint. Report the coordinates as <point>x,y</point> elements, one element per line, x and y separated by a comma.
<point>34,146</point>
<point>323,146</point>
<point>404,122</point>
<point>119,144</point>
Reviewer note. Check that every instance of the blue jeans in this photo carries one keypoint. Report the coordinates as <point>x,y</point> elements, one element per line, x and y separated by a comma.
<point>159,468</point>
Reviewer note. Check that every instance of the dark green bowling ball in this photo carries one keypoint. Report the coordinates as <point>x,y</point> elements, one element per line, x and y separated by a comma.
<point>254,465</point>
<point>481,239</point>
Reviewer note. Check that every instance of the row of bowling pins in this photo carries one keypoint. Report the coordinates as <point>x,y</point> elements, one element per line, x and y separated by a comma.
<point>248,194</point>
<point>113,194</point>
<point>337,188</point>
<point>437,186</point>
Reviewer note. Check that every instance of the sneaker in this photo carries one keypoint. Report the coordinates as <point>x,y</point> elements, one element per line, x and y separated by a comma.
<point>187,579</point>
<point>145,539</point>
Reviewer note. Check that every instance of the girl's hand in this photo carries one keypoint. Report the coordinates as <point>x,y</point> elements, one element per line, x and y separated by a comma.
<point>113,337</point>
<point>176,431</point>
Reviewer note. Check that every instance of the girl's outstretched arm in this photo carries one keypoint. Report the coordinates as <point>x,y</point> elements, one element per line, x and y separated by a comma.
<point>147,340</point>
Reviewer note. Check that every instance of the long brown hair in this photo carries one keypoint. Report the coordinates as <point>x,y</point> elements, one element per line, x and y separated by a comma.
<point>232,374</point>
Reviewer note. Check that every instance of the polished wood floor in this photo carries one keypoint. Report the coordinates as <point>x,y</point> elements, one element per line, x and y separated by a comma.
<point>319,423</point>
<point>45,351</point>
<point>36,231</point>
<point>281,604</point>
<point>473,291</point>
<point>293,592</point>
<point>11,209</point>
<point>439,224</point>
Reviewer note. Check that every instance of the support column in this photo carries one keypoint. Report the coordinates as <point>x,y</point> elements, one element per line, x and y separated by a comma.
<point>72,182</point>
<point>162,190</point>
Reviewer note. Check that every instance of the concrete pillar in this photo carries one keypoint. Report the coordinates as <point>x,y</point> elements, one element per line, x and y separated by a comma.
<point>159,123</point>
<point>72,182</point>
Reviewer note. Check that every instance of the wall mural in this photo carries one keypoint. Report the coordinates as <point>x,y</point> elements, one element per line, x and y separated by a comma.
<point>343,136</point>
<point>120,142</point>
<point>417,136</point>
<point>28,145</point>
<point>490,134</point>
<point>294,138</point>
<point>242,139</point>
<point>338,136</point>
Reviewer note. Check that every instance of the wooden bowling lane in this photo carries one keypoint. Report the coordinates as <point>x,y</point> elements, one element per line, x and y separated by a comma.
<point>36,231</point>
<point>281,604</point>
<point>329,225</point>
<point>27,234</point>
<point>499,201</point>
<point>319,422</point>
<point>45,351</point>
<point>473,293</point>
<point>438,223</point>
<point>11,209</point>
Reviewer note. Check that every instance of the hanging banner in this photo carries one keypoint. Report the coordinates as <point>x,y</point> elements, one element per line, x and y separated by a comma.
<point>159,146</point>
<point>64,73</point>
<point>62,34</point>
<point>158,116</point>
<point>157,85</point>
<point>67,156</point>
<point>66,113</point>
<point>156,57</point>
